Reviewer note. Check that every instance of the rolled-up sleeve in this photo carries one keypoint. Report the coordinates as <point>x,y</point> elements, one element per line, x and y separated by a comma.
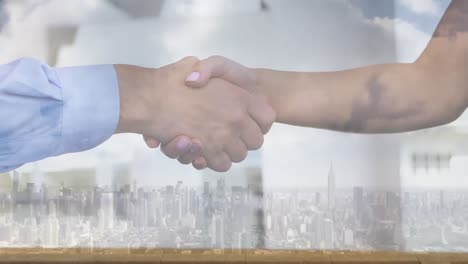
<point>52,111</point>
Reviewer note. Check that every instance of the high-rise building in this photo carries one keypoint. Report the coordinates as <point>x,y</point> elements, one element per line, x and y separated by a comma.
<point>153,206</point>
<point>141,214</point>
<point>217,231</point>
<point>442,199</point>
<point>331,188</point>
<point>178,206</point>
<point>328,233</point>
<point>193,201</point>
<point>348,237</point>
<point>15,187</point>
<point>107,210</point>
<point>237,208</point>
<point>185,201</point>
<point>5,233</point>
<point>358,201</point>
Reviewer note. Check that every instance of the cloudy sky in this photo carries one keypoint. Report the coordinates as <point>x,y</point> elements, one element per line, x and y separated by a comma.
<point>295,35</point>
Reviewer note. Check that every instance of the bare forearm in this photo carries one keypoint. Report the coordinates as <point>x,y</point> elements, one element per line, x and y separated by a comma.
<point>376,99</point>
<point>381,98</point>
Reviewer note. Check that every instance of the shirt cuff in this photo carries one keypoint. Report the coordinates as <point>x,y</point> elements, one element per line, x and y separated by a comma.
<point>91,106</point>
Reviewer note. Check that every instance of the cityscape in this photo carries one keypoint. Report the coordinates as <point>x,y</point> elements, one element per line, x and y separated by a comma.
<point>219,215</point>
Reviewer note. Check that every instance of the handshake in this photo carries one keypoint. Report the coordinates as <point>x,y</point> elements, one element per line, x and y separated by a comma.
<point>206,113</point>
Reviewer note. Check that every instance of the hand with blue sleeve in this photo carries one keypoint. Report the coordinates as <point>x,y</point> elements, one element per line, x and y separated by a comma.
<point>52,111</point>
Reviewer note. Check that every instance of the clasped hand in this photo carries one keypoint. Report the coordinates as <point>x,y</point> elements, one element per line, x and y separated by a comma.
<point>206,113</point>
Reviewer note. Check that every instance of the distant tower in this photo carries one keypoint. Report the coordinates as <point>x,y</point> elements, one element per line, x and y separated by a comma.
<point>442,199</point>
<point>331,188</point>
<point>50,230</point>
<point>106,215</point>
<point>15,179</point>
<point>358,201</point>
<point>37,175</point>
<point>217,231</point>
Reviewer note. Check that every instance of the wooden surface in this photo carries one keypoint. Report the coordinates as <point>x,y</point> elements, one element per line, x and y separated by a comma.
<point>166,256</point>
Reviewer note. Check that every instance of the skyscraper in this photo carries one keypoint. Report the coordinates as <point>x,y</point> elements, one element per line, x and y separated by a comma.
<point>442,199</point>
<point>107,211</point>
<point>358,201</point>
<point>15,186</point>
<point>217,231</point>
<point>331,188</point>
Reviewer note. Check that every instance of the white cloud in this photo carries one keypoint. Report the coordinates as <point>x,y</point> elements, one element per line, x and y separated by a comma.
<point>423,7</point>
<point>410,40</point>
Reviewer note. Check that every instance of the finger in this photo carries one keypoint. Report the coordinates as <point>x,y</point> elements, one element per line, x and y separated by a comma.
<point>194,152</point>
<point>252,135</point>
<point>213,67</point>
<point>200,163</point>
<point>237,151</point>
<point>262,113</point>
<point>177,147</point>
<point>151,142</point>
<point>219,162</point>
<point>223,68</point>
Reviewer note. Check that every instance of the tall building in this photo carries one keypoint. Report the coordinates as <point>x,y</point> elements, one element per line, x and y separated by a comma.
<point>107,211</point>
<point>244,211</point>
<point>185,201</point>
<point>193,201</point>
<point>358,201</point>
<point>237,208</point>
<point>141,214</point>
<point>331,188</point>
<point>328,233</point>
<point>217,231</point>
<point>442,199</point>
<point>317,199</point>
<point>15,187</point>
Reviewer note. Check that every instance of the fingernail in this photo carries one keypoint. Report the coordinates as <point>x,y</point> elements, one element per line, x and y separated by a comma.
<point>183,144</point>
<point>194,76</point>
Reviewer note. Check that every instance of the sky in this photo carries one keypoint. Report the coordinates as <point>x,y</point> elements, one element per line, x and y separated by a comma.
<point>297,35</point>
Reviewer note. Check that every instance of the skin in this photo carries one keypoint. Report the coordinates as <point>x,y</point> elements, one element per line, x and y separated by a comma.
<point>227,120</point>
<point>390,98</point>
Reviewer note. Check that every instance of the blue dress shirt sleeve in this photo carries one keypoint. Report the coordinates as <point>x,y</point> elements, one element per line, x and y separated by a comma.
<point>48,111</point>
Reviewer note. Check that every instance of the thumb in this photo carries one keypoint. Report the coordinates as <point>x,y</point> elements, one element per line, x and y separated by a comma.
<point>195,79</point>
<point>215,67</point>
<point>203,71</point>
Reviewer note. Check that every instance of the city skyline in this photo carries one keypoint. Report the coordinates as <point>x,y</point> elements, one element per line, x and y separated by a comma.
<point>221,215</point>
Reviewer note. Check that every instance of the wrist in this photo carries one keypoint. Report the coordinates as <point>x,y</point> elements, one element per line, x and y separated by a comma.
<point>265,86</point>
<point>135,88</point>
